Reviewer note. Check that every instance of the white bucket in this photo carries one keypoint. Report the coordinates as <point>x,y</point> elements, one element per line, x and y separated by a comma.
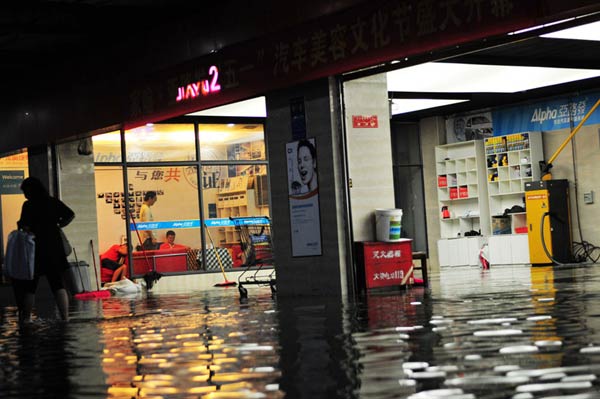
<point>388,224</point>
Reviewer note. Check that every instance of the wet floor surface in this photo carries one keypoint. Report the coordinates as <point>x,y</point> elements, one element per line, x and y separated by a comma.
<point>509,332</point>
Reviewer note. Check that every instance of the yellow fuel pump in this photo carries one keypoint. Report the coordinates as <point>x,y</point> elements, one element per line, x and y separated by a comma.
<point>548,213</point>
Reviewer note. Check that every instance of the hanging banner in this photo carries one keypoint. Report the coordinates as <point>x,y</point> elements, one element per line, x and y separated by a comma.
<point>564,113</point>
<point>303,190</point>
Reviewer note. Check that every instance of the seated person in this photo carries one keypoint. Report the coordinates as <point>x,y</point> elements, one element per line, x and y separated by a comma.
<point>170,244</point>
<point>113,263</point>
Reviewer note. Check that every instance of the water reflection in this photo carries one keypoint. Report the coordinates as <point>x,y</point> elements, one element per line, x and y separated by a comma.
<point>512,332</point>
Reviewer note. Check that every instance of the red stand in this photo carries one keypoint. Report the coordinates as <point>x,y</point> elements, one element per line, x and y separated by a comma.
<point>384,264</point>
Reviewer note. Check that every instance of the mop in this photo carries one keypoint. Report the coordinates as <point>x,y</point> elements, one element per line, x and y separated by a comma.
<point>152,276</point>
<point>225,283</point>
<point>99,294</point>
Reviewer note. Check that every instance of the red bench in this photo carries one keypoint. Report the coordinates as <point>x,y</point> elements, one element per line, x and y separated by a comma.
<point>161,261</point>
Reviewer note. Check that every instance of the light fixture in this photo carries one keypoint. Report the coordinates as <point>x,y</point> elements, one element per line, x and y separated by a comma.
<point>403,106</point>
<point>589,31</point>
<point>442,77</point>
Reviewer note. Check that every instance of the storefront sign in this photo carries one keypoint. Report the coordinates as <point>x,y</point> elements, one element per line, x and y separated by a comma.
<point>195,223</point>
<point>564,113</point>
<point>364,35</point>
<point>303,194</point>
<point>364,122</point>
<point>10,181</point>
<point>203,87</point>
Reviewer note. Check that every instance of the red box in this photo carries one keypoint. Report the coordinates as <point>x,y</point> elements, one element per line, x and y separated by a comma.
<point>453,193</point>
<point>463,192</point>
<point>521,230</point>
<point>386,263</point>
<point>442,181</point>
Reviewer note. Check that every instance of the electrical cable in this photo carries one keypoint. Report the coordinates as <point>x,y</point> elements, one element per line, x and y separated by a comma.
<point>548,254</point>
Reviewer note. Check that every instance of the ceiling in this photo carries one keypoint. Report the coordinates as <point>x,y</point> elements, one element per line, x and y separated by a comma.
<point>532,49</point>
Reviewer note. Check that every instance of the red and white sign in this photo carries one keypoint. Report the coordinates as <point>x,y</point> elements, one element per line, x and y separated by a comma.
<point>387,263</point>
<point>364,121</point>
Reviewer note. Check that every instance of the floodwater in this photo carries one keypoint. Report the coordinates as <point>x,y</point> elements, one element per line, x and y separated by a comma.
<point>508,332</point>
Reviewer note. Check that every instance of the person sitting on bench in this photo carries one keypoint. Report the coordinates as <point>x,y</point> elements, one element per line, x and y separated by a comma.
<point>114,263</point>
<point>170,244</point>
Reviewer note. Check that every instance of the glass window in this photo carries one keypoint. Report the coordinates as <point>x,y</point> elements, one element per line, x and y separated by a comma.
<point>161,142</point>
<point>107,147</point>
<point>165,200</point>
<point>110,211</point>
<point>229,194</point>
<point>14,169</point>
<point>220,142</point>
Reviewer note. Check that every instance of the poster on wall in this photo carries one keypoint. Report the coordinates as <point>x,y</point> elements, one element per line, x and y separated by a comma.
<point>303,194</point>
<point>465,127</point>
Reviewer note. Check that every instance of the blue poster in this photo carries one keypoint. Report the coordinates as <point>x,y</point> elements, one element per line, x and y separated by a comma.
<point>564,113</point>
<point>10,181</point>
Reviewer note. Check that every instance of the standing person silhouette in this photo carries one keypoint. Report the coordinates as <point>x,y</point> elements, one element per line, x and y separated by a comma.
<point>307,165</point>
<point>148,237</point>
<point>42,215</point>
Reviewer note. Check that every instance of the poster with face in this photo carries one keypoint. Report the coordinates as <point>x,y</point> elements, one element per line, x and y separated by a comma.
<point>303,190</point>
<point>302,167</point>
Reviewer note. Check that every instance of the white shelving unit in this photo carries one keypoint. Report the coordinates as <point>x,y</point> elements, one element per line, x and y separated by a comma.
<point>462,190</point>
<point>511,161</point>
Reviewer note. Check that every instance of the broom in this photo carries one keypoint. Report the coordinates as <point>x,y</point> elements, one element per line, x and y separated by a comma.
<point>99,294</point>
<point>225,283</point>
<point>152,276</point>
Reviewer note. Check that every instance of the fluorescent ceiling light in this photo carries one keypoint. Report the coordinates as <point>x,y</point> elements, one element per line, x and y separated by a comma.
<point>255,107</point>
<point>583,32</point>
<point>438,77</point>
<point>402,106</point>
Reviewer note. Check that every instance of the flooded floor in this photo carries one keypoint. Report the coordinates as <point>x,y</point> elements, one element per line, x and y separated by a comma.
<point>508,332</point>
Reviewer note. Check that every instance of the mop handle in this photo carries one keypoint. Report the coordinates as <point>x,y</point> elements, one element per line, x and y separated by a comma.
<point>216,252</point>
<point>140,241</point>
<point>95,267</point>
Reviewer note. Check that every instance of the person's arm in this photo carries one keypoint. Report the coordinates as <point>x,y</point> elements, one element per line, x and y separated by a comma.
<point>65,214</point>
<point>24,222</point>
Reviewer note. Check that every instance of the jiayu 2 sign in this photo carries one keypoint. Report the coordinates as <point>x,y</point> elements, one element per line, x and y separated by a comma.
<point>200,88</point>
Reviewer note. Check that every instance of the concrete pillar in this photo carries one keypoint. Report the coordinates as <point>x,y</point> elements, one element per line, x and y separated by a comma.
<point>323,275</point>
<point>369,153</point>
<point>77,189</point>
<point>433,133</point>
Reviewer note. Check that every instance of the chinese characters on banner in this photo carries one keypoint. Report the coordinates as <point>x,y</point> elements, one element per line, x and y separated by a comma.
<point>364,35</point>
<point>303,194</point>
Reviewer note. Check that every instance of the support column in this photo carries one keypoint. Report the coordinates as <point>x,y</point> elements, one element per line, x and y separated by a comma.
<point>324,275</point>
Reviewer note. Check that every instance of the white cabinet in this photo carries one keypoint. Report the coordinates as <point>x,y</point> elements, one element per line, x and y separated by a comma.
<point>462,189</point>
<point>460,251</point>
<point>463,202</point>
<point>511,161</point>
<point>508,249</point>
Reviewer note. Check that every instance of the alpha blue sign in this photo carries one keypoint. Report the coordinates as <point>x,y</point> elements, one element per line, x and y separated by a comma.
<point>10,181</point>
<point>195,223</point>
<point>564,113</point>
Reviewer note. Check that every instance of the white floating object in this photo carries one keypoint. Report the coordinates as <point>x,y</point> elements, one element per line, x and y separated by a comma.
<point>548,343</point>
<point>497,333</point>
<point>539,318</point>
<point>493,321</point>
<point>519,349</point>
<point>415,365</point>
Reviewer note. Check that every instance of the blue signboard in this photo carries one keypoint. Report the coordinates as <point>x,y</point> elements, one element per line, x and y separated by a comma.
<point>195,223</point>
<point>564,113</point>
<point>10,181</point>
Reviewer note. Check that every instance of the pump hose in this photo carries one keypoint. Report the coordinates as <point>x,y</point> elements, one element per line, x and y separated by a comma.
<point>548,254</point>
